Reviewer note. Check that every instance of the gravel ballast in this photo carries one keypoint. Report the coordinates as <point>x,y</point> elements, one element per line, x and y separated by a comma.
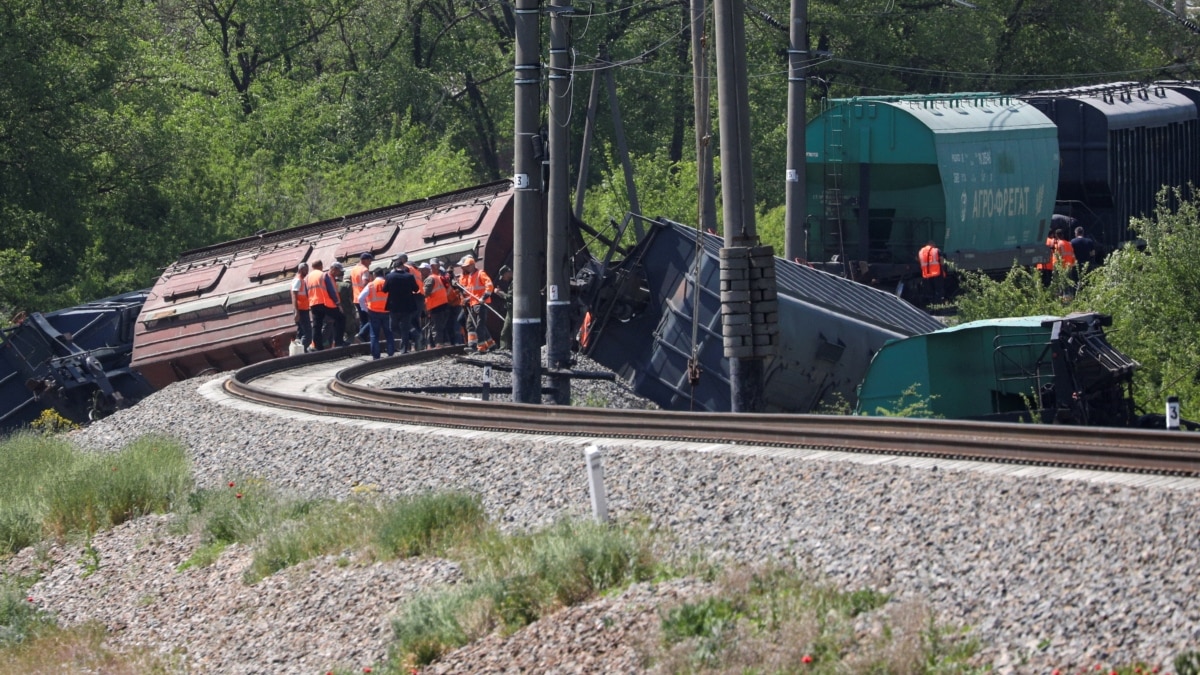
<point>1044,572</point>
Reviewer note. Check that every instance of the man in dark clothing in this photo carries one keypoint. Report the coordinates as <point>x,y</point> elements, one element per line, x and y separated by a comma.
<point>1085,249</point>
<point>404,303</point>
<point>502,293</point>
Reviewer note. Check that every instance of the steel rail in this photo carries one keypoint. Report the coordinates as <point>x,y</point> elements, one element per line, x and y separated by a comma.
<point>1134,450</point>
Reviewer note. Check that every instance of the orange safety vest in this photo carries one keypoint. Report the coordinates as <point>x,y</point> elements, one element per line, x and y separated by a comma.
<point>302,294</point>
<point>1066,251</point>
<point>1049,264</point>
<point>376,298</point>
<point>1059,248</point>
<point>477,284</point>
<point>931,262</point>
<point>416,277</point>
<point>317,293</point>
<point>437,295</point>
<point>585,331</point>
<point>360,276</point>
<point>453,297</point>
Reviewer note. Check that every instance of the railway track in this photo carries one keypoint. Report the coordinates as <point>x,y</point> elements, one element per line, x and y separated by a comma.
<point>1105,449</point>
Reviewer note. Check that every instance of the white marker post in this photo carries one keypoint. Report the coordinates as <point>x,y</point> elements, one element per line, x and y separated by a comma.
<point>596,483</point>
<point>1172,413</point>
<point>487,384</point>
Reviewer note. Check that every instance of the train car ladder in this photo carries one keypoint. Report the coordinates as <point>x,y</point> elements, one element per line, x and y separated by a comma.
<point>835,158</point>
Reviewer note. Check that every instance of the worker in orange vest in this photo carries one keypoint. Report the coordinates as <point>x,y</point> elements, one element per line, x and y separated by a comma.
<point>437,305</point>
<point>360,276</point>
<point>300,314</point>
<point>933,270</point>
<point>477,289</point>
<point>323,305</point>
<point>1063,250</point>
<point>1061,254</point>
<point>373,301</point>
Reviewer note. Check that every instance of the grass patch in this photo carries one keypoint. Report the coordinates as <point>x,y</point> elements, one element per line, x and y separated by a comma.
<point>429,524</point>
<point>79,649</point>
<point>20,619</point>
<point>287,531</point>
<point>776,620</point>
<point>515,580</point>
<point>49,488</point>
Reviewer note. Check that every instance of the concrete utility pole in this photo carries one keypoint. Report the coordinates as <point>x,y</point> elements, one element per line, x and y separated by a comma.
<point>794,240</point>
<point>558,300</point>
<point>528,230</point>
<point>749,308</point>
<point>707,206</point>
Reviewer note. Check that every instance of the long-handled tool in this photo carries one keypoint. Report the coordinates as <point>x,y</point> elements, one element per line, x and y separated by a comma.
<point>477,299</point>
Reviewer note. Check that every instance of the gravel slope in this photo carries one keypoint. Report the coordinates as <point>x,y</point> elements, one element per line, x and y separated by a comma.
<point>1090,573</point>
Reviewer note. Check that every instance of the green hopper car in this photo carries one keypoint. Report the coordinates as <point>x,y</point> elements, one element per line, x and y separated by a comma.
<point>1043,368</point>
<point>974,173</point>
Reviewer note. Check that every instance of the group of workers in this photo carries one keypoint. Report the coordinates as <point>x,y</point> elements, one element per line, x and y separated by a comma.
<point>403,309</point>
<point>1069,254</point>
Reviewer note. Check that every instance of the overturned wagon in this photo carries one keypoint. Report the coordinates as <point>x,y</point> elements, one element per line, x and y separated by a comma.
<point>225,306</point>
<point>74,361</point>
<point>657,323</point>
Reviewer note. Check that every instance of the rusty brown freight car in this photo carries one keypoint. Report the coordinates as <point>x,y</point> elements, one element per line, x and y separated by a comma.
<point>229,305</point>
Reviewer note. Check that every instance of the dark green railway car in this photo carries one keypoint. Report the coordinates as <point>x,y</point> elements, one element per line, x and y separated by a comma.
<point>1046,368</point>
<point>976,173</point>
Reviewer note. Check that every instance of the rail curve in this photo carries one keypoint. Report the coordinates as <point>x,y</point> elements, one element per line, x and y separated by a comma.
<point>1098,448</point>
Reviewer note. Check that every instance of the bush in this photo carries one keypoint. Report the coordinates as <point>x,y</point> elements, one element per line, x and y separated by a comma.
<point>775,619</point>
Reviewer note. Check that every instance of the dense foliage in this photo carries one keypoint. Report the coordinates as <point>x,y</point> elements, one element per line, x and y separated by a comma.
<point>1151,289</point>
<point>131,130</point>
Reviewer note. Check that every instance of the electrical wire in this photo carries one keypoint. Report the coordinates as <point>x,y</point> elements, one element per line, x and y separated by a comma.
<point>998,76</point>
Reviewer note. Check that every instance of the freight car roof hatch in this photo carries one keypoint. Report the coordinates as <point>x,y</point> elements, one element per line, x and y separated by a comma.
<point>279,262</point>
<point>373,239</point>
<point>454,221</point>
<point>193,282</point>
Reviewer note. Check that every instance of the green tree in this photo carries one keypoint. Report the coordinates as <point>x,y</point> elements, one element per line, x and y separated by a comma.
<point>1153,295</point>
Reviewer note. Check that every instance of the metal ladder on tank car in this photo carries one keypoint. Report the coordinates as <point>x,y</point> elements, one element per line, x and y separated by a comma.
<point>835,158</point>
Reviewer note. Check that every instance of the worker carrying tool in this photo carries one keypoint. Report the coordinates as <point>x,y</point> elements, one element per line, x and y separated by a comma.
<point>477,290</point>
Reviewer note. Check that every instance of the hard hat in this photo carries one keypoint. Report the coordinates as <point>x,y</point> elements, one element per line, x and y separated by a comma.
<point>467,260</point>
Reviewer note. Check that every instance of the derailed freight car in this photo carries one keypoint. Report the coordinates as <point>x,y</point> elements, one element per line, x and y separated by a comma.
<point>226,306</point>
<point>657,324</point>
<point>75,361</point>
<point>1056,370</point>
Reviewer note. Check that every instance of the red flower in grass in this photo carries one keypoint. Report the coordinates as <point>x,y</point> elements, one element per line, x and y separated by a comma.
<point>230,483</point>
<point>806,659</point>
<point>238,495</point>
<point>30,598</point>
